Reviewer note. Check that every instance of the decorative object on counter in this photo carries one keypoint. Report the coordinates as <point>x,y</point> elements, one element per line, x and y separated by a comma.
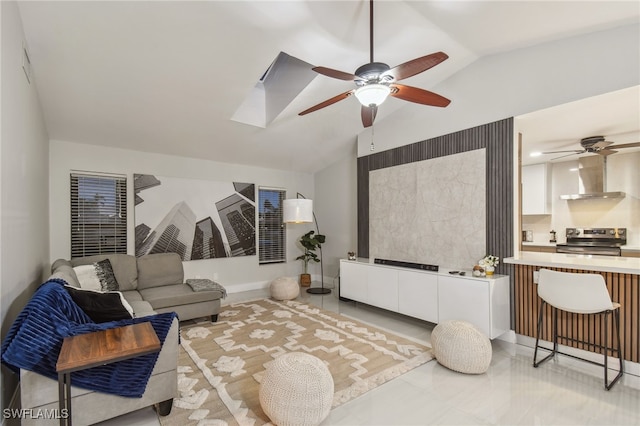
<point>489,263</point>
<point>478,271</point>
<point>552,236</point>
<point>527,236</point>
<point>352,255</point>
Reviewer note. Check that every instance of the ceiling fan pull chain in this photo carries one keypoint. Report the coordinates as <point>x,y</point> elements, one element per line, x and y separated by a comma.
<point>372,147</point>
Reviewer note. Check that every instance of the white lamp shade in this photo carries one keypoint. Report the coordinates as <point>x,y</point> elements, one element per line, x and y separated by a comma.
<point>297,210</point>
<point>372,94</point>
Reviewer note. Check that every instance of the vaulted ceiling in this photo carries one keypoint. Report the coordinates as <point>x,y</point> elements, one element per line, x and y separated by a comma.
<point>167,77</point>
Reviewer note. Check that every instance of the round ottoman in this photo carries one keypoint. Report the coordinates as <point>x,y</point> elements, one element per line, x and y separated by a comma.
<point>296,389</point>
<point>284,288</point>
<point>460,346</point>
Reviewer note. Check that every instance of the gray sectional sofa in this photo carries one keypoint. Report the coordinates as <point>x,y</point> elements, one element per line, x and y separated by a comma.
<point>151,284</point>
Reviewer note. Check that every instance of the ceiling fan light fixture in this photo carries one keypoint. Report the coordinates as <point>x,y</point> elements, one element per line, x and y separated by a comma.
<point>372,94</point>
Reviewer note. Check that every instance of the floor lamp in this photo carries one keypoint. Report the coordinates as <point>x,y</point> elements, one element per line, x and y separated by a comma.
<point>300,210</point>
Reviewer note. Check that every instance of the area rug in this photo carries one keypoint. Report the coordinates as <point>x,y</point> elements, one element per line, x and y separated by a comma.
<point>221,365</point>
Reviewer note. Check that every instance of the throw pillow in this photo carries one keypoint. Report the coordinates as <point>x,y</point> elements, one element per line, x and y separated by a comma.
<point>99,306</point>
<point>97,276</point>
<point>87,277</point>
<point>105,274</point>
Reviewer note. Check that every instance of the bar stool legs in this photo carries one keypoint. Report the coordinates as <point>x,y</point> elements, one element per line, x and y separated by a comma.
<point>605,347</point>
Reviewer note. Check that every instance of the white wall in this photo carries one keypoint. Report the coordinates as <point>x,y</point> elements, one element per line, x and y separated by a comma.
<point>24,150</point>
<point>235,274</point>
<point>517,82</point>
<point>337,211</point>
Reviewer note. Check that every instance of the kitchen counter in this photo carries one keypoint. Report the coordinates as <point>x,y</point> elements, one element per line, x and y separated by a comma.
<point>621,275</point>
<point>624,265</point>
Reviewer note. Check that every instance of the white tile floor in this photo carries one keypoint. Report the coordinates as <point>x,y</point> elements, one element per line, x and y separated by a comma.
<point>512,392</point>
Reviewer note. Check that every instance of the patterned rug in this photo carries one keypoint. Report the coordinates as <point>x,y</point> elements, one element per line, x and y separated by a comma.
<point>221,365</point>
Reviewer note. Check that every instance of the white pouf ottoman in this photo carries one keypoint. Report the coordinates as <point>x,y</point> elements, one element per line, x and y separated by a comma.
<point>284,288</point>
<point>296,390</point>
<point>460,346</point>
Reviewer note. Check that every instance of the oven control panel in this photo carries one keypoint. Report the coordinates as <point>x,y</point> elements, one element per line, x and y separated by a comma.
<point>617,235</point>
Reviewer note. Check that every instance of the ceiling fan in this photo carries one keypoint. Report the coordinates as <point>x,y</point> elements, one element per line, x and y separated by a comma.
<point>376,80</point>
<point>596,145</point>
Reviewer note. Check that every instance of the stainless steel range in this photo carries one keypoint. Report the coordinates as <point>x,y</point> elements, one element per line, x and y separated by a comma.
<point>600,241</point>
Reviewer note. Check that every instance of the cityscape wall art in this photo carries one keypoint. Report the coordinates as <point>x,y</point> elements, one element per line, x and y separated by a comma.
<point>198,219</point>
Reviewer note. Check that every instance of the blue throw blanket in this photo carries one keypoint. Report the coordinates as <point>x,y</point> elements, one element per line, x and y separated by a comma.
<point>35,338</point>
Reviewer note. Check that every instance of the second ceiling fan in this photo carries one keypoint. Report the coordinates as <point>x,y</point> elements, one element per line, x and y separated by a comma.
<point>376,80</point>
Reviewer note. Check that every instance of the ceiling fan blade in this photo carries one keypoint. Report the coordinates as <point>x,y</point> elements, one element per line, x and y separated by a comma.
<point>368,115</point>
<point>606,152</point>
<point>567,155</point>
<point>328,102</point>
<point>340,75</point>
<point>626,145</point>
<point>419,96</point>
<point>602,144</point>
<point>415,66</point>
<point>574,151</point>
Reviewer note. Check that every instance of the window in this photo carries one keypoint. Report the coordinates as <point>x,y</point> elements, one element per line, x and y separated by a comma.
<point>271,234</point>
<point>98,214</point>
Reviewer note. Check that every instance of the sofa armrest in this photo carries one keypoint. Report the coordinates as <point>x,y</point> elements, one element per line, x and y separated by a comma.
<point>40,392</point>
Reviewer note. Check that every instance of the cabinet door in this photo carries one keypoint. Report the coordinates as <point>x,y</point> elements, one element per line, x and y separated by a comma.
<point>535,193</point>
<point>465,299</point>
<point>353,280</point>
<point>418,295</point>
<point>383,288</point>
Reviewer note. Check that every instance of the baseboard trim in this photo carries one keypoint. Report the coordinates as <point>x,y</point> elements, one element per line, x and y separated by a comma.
<point>239,288</point>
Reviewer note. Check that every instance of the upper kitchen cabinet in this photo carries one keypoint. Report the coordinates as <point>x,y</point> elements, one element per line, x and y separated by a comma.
<point>536,189</point>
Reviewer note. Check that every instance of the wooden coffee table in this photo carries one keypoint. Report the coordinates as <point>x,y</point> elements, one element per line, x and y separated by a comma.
<point>100,348</point>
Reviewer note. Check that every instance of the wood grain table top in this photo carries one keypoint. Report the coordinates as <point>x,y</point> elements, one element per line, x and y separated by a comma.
<point>107,346</point>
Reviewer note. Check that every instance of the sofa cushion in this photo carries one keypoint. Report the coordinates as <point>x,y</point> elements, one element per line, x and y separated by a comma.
<point>132,296</point>
<point>161,269</point>
<point>99,306</point>
<point>142,309</point>
<point>178,294</point>
<point>123,265</point>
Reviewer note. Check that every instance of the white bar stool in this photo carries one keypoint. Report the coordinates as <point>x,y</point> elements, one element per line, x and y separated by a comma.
<point>584,294</point>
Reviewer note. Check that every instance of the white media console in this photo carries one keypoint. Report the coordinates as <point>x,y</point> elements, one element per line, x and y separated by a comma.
<point>430,296</point>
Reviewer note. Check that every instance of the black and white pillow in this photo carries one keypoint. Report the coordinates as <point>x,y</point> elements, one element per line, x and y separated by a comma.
<point>105,274</point>
<point>101,306</point>
<point>97,276</point>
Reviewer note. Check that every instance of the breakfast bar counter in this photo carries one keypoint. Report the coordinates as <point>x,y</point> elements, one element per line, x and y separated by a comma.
<point>621,275</point>
<point>624,265</point>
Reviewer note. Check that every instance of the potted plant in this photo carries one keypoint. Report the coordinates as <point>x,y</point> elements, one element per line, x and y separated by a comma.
<point>309,243</point>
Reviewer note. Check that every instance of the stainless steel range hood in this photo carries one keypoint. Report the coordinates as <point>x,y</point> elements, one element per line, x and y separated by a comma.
<point>592,180</point>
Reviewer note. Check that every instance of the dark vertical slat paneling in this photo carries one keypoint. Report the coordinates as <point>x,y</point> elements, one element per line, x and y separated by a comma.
<point>363,206</point>
<point>497,138</point>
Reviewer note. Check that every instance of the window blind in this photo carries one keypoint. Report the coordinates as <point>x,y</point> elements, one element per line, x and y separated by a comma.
<point>271,230</point>
<point>98,214</point>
